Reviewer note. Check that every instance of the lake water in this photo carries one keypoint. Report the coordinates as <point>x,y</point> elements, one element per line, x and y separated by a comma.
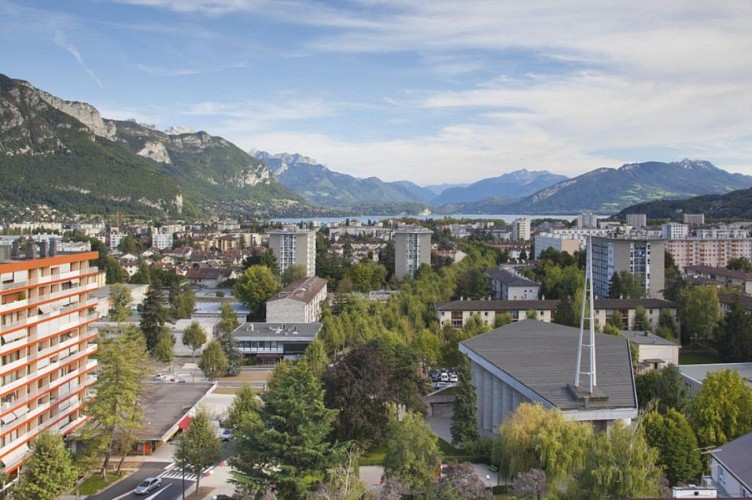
<point>508,218</point>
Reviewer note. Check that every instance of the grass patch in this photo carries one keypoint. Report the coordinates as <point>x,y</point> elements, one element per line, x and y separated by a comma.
<point>696,357</point>
<point>373,457</point>
<point>94,484</point>
<point>451,454</point>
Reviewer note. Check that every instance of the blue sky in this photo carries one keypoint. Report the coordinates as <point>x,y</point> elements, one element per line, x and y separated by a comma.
<point>428,91</point>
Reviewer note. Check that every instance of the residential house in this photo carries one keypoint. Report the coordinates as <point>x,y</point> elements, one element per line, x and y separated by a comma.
<point>731,467</point>
<point>721,275</point>
<point>653,352</point>
<point>298,302</point>
<point>506,284</point>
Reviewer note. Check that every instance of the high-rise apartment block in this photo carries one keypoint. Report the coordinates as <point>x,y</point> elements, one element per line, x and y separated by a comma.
<point>674,231</point>
<point>46,347</point>
<point>521,229</point>
<point>412,247</point>
<point>698,219</point>
<point>294,246</point>
<point>637,221</point>
<point>587,219</point>
<point>642,257</point>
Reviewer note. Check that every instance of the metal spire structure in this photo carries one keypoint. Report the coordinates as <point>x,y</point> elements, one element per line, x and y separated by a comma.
<point>590,346</point>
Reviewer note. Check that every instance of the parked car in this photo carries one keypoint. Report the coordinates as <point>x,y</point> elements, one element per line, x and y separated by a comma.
<point>225,434</point>
<point>148,485</point>
<point>444,377</point>
<point>453,378</point>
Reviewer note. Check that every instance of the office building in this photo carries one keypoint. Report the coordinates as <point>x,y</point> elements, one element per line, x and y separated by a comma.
<point>412,247</point>
<point>642,257</point>
<point>46,306</point>
<point>294,246</point>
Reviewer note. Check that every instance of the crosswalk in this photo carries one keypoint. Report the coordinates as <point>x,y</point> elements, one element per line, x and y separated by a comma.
<point>173,472</point>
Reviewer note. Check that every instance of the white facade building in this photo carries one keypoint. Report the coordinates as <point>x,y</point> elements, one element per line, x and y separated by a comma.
<point>294,246</point>
<point>412,247</point>
<point>521,229</point>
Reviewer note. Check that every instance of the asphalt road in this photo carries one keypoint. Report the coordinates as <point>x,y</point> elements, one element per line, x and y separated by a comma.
<point>171,489</point>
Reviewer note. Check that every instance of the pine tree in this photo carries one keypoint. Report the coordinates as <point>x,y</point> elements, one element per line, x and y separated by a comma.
<point>199,447</point>
<point>49,472</point>
<point>465,418</point>
<point>153,316</point>
<point>227,324</point>
<point>284,446</point>
<point>734,334</point>
<point>614,287</point>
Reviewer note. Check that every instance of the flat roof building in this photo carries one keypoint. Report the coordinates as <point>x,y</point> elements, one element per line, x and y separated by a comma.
<point>412,247</point>
<point>272,342</point>
<point>293,245</point>
<point>642,257</point>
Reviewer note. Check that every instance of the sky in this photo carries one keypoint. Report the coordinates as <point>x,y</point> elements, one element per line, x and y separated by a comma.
<point>431,91</point>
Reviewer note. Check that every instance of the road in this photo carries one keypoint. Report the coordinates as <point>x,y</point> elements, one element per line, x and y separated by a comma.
<point>172,487</point>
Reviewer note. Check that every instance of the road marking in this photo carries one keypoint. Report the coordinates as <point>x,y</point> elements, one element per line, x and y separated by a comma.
<point>158,492</point>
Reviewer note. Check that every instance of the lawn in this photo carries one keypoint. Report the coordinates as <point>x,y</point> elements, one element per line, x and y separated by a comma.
<point>451,454</point>
<point>94,484</point>
<point>696,357</point>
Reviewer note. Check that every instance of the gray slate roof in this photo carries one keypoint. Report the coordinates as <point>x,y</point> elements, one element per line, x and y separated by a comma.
<point>302,290</point>
<point>736,456</point>
<point>549,304</point>
<point>275,331</point>
<point>542,356</point>
<point>509,278</point>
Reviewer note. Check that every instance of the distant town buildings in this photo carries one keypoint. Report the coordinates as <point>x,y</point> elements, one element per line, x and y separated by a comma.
<point>561,242</point>
<point>674,231</point>
<point>293,245</point>
<point>637,221</point>
<point>521,229</point>
<point>587,219</point>
<point>696,219</point>
<point>412,247</point>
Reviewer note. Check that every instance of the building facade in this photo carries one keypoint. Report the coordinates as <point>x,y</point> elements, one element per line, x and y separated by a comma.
<point>294,246</point>
<point>412,247</point>
<point>637,221</point>
<point>642,257</point>
<point>708,252</point>
<point>506,284</point>
<point>46,348</point>
<point>674,231</point>
<point>298,302</point>
<point>559,242</point>
<point>521,229</point>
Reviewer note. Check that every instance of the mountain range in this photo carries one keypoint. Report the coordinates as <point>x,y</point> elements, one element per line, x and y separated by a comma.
<point>64,154</point>
<point>736,204</point>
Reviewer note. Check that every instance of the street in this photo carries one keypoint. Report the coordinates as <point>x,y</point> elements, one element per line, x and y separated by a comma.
<point>172,485</point>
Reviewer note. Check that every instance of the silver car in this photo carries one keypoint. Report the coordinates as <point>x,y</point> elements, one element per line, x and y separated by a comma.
<point>148,485</point>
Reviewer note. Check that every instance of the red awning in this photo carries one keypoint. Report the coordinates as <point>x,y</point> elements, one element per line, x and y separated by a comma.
<point>185,423</point>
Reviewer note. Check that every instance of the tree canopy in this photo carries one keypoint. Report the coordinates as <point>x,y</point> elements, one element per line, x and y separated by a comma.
<point>254,287</point>
<point>49,472</point>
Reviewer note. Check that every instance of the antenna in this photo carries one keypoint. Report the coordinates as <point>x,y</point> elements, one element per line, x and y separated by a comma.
<point>590,346</point>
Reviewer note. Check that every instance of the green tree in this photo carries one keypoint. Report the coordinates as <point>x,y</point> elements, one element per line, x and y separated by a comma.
<point>284,447</point>
<point>617,320</point>
<point>164,351</point>
<point>642,322</point>
<point>459,481</point>
<point>244,405</point>
<point>130,244</point>
<point>182,300</point>
<point>632,285</point>
<point>464,426</point>
<point>113,271</point>
<point>316,358</point>
<point>228,322</point>
<point>49,471</point>
<point>473,284</point>
<point>502,319</point>
<point>143,274</point>
<point>194,337</point>
<point>614,287</point>
<point>665,387</point>
<point>531,314</point>
<point>673,437</point>
<point>565,314</point>
<point>619,464</point>
<point>254,287</point>
<point>153,316</point>
<point>213,361</point>
<point>722,408</point>
<point>699,310</point>
<point>116,412</point>
<point>198,447</point>
<point>293,272</point>
<point>734,334</point>
<point>536,438</point>
<point>412,452</point>
<point>121,299</point>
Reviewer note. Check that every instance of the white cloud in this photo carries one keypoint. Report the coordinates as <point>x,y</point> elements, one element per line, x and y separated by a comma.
<point>63,43</point>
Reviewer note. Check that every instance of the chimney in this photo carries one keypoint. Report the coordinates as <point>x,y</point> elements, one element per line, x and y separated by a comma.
<point>43,248</point>
<point>31,251</point>
<point>53,247</point>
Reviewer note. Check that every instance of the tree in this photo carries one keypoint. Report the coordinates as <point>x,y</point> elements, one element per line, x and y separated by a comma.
<point>632,285</point>
<point>565,314</point>
<point>49,472</point>
<point>642,322</point>
<point>699,310</point>
<point>164,351</point>
<point>536,438</point>
<point>130,244</point>
<point>665,387</point>
<point>198,447</point>
<point>153,316</point>
<point>213,361</point>
<point>460,482</point>
<point>532,483</point>
<point>254,287</point>
<point>473,284</point>
<point>358,388</point>
<point>316,358</point>
<point>617,320</point>
<point>283,446</point>
<point>244,405</point>
<point>293,272</point>
<point>722,408</point>
<point>614,287</point>
<point>120,296</point>
<point>412,451</point>
<point>619,464</point>
<point>343,483</point>
<point>502,319</point>
<point>464,426</point>
<point>182,300</point>
<point>228,322</point>
<point>143,275</point>
<point>671,434</point>
<point>531,314</point>
<point>115,412</point>
<point>194,337</point>
<point>734,334</point>
<point>113,271</point>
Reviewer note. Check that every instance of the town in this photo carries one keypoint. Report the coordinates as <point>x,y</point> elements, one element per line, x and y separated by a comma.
<point>180,357</point>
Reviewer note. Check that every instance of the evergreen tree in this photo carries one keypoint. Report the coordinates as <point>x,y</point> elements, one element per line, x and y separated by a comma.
<point>194,337</point>
<point>228,322</point>
<point>198,447</point>
<point>213,361</point>
<point>49,472</point>
<point>734,334</point>
<point>412,452</point>
<point>565,314</point>
<point>465,418</point>
<point>153,316</point>
<point>283,446</point>
<point>614,287</point>
<point>244,405</point>
<point>671,434</point>
<point>315,357</point>
<point>120,296</point>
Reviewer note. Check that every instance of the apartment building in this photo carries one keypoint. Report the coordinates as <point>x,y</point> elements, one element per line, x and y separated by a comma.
<point>299,302</point>
<point>708,252</point>
<point>637,221</point>
<point>293,245</point>
<point>560,242</point>
<point>46,348</point>
<point>521,229</point>
<point>412,247</point>
<point>674,231</point>
<point>642,257</point>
